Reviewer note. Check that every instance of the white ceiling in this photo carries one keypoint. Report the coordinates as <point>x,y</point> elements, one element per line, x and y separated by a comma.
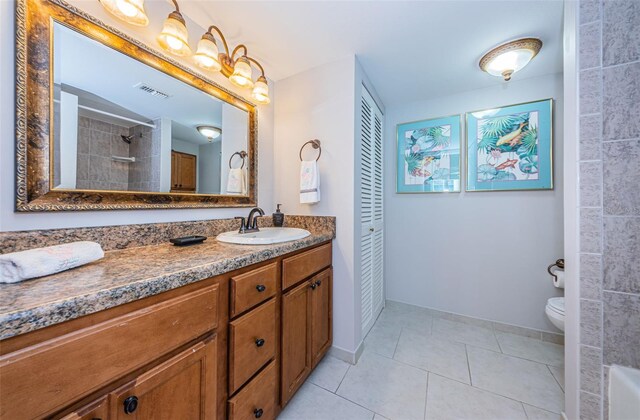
<point>410,50</point>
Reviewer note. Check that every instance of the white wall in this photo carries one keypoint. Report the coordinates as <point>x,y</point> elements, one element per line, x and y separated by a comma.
<point>234,139</point>
<point>481,254</point>
<point>209,171</point>
<point>319,103</point>
<point>20,221</point>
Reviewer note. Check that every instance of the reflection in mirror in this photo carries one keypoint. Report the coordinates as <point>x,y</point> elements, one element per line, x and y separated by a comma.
<point>120,125</point>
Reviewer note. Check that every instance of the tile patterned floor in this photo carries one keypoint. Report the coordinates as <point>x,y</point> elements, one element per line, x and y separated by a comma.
<point>415,366</point>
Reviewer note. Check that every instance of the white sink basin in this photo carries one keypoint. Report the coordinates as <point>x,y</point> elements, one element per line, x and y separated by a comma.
<point>266,236</point>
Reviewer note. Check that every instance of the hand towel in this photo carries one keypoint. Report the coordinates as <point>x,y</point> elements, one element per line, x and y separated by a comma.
<point>236,183</point>
<point>309,182</point>
<point>24,265</point>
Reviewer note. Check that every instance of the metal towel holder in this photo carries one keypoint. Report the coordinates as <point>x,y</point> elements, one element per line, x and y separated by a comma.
<point>242,154</point>
<point>315,143</point>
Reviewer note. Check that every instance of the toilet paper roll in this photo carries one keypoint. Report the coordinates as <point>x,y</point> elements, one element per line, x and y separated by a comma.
<point>558,280</point>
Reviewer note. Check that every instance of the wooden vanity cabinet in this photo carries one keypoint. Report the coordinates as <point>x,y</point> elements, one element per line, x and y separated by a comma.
<point>306,317</point>
<point>235,346</point>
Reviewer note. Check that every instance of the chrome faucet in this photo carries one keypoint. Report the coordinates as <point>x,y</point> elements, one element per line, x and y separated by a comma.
<point>251,224</point>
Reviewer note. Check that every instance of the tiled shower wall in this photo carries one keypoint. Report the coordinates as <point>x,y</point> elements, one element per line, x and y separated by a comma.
<point>97,142</point>
<point>609,194</point>
<point>144,174</point>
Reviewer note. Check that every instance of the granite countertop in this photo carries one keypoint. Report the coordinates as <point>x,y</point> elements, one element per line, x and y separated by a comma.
<point>126,275</point>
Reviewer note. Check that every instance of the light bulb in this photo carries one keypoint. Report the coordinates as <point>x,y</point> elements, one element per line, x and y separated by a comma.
<point>126,8</point>
<point>130,11</point>
<point>242,73</point>
<point>174,36</point>
<point>206,55</point>
<point>260,91</point>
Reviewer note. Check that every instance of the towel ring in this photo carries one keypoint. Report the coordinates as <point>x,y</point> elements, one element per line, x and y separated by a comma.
<point>315,144</point>
<point>242,154</point>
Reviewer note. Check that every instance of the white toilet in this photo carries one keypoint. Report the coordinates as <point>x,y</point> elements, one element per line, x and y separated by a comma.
<point>555,311</point>
<point>555,305</point>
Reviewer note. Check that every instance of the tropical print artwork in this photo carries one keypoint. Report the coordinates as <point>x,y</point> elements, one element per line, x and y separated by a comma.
<point>510,148</point>
<point>429,156</point>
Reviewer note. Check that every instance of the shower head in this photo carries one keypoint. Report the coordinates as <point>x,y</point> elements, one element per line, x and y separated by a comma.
<point>126,139</point>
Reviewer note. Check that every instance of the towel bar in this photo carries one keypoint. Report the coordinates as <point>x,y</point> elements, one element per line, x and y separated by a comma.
<point>315,144</point>
<point>242,154</point>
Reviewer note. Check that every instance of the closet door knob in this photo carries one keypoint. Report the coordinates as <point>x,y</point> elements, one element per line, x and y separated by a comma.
<point>261,288</point>
<point>130,404</point>
<point>260,342</point>
<point>258,413</point>
<point>371,229</point>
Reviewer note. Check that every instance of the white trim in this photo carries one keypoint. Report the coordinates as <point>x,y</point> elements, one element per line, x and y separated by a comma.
<point>351,357</point>
<point>571,211</point>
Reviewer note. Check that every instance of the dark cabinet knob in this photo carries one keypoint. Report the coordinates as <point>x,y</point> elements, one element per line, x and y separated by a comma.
<point>258,412</point>
<point>318,283</point>
<point>313,286</point>
<point>260,342</point>
<point>261,288</point>
<point>130,404</point>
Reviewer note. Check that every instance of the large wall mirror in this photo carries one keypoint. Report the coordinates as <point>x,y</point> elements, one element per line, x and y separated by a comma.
<point>111,124</point>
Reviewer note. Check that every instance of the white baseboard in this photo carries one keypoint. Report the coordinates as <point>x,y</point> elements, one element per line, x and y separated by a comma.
<point>346,355</point>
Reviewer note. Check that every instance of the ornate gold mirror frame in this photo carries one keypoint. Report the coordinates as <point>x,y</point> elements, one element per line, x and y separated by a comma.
<point>34,136</point>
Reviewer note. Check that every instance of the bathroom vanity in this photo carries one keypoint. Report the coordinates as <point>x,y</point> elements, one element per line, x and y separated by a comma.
<point>174,343</point>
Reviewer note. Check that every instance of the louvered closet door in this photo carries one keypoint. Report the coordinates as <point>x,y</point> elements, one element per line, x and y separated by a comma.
<point>372,234</point>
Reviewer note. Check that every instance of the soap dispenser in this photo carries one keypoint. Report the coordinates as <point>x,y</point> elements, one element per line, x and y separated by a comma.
<point>278,217</point>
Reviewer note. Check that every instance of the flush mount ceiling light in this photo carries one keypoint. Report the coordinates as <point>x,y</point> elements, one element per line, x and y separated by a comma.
<point>209,131</point>
<point>510,57</point>
<point>130,11</point>
<point>174,37</point>
<point>238,70</point>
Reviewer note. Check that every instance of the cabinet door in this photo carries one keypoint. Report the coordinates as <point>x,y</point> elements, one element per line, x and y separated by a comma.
<point>187,172</point>
<point>296,358</point>
<point>175,170</point>
<point>183,387</point>
<point>320,305</point>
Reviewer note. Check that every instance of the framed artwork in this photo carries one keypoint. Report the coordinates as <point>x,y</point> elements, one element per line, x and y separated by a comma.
<point>428,156</point>
<point>510,148</point>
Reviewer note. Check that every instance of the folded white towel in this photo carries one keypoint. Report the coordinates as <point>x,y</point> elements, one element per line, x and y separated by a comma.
<point>24,265</point>
<point>309,182</point>
<point>236,182</point>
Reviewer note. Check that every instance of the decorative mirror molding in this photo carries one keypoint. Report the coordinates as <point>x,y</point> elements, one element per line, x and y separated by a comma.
<point>34,116</point>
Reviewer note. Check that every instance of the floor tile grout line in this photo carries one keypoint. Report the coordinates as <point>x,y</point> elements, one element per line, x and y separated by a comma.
<point>554,377</point>
<point>468,365</point>
<point>526,415</point>
<point>347,399</point>
<point>514,356</point>
<point>426,397</point>
<point>342,380</point>
<point>397,342</point>
<point>493,393</point>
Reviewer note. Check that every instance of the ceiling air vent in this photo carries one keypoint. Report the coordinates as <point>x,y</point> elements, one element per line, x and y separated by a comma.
<point>151,91</point>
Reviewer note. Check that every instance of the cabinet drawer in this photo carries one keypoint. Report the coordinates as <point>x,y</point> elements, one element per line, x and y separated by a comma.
<point>252,288</point>
<point>257,399</point>
<point>98,409</point>
<point>64,369</point>
<point>301,266</point>
<point>252,343</point>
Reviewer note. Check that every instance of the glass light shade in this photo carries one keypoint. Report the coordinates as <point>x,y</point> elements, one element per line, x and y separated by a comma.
<point>174,37</point>
<point>510,58</point>
<point>260,91</point>
<point>242,73</point>
<point>206,55</point>
<point>209,131</point>
<point>130,11</point>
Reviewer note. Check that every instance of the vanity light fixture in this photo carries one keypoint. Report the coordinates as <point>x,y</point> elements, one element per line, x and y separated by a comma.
<point>130,11</point>
<point>238,70</point>
<point>174,37</point>
<point>209,131</point>
<point>508,58</point>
